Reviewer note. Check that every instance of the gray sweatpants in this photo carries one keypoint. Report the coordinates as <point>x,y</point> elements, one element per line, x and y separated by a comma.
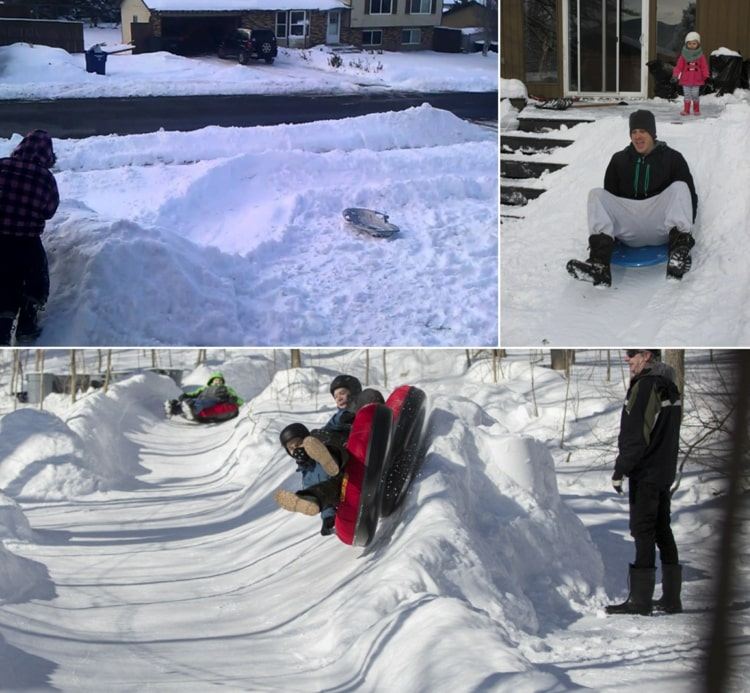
<point>641,222</point>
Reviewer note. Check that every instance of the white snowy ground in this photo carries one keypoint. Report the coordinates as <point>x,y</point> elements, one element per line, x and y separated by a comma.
<point>542,304</point>
<point>41,72</point>
<point>231,236</point>
<point>139,553</point>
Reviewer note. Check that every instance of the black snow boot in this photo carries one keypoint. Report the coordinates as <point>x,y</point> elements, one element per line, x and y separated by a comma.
<point>679,261</point>
<point>6,327</point>
<point>671,586</point>
<point>640,599</point>
<point>596,269</point>
<point>28,329</point>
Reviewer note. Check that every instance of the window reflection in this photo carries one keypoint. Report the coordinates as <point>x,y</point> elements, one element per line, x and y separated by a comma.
<point>674,18</point>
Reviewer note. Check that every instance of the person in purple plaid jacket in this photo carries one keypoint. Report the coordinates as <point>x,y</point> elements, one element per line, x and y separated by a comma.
<point>28,198</point>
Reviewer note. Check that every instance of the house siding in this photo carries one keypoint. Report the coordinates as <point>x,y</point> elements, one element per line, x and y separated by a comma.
<point>128,10</point>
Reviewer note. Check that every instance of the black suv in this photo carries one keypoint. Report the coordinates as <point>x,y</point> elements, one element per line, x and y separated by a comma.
<point>244,44</point>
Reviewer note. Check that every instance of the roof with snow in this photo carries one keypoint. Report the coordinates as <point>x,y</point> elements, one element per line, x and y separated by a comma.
<point>242,5</point>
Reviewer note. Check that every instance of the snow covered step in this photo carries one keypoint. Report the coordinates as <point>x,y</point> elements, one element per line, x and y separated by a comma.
<point>543,124</point>
<point>518,195</point>
<point>515,168</point>
<point>524,144</point>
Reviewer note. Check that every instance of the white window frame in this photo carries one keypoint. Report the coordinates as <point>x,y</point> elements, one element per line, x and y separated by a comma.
<point>382,6</point>
<point>420,4</point>
<point>412,33</point>
<point>304,24</point>
<point>281,24</point>
<point>372,33</point>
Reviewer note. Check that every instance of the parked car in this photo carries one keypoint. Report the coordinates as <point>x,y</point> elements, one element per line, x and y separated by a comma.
<point>245,44</point>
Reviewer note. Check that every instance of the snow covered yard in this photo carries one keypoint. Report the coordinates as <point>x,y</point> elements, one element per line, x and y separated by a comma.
<point>231,236</point>
<point>542,304</point>
<point>41,72</point>
<point>144,553</point>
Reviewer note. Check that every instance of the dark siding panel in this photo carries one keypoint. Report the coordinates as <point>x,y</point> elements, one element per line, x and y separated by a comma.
<point>724,23</point>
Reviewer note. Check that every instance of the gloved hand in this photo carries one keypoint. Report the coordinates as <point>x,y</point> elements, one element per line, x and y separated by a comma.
<point>617,483</point>
<point>674,80</point>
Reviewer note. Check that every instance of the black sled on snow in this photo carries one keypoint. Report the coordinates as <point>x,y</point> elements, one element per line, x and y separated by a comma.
<point>384,454</point>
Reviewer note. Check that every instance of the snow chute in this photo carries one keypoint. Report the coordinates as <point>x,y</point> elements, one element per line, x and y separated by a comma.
<point>383,451</point>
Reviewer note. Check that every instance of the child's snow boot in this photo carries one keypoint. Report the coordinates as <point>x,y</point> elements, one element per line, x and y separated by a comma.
<point>187,410</point>
<point>697,107</point>
<point>671,585</point>
<point>320,453</point>
<point>596,269</point>
<point>679,260</point>
<point>640,599</point>
<point>686,108</point>
<point>296,503</point>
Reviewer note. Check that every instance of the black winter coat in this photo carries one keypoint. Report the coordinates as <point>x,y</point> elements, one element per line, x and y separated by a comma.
<point>650,428</point>
<point>637,177</point>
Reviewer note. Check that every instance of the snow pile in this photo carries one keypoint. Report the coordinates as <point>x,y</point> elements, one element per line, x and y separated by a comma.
<point>34,72</point>
<point>513,89</point>
<point>508,115</point>
<point>174,211</point>
<point>541,304</point>
<point>21,579</point>
<point>13,523</point>
<point>42,459</point>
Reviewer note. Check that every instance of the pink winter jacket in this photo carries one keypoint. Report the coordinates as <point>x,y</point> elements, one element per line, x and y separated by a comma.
<point>691,74</point>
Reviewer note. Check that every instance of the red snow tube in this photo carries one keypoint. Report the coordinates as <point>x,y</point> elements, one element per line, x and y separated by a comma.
<point>218,412</point>
<point>368,443</point>
<point>409,408</point>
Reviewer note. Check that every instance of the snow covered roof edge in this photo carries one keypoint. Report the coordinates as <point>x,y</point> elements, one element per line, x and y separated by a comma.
<point>243,5</point>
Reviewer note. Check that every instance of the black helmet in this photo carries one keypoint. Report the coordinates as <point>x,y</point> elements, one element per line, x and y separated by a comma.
<point>367,396</point>
<point>347,381</point>
<point>292,431</point>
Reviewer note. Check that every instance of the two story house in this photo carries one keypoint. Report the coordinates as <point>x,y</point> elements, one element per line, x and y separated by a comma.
<point>196,26</point>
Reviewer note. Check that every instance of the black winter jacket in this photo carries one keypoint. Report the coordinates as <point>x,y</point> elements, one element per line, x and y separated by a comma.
<point>637,177</point>
<point>650,428</point>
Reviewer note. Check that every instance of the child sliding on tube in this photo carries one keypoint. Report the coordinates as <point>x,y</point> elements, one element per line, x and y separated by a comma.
<point>692,72</point>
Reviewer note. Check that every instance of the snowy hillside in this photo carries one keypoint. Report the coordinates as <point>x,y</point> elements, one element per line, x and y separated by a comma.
<point>139,552</point>
<point>231,236</point>
<point>542,304</point>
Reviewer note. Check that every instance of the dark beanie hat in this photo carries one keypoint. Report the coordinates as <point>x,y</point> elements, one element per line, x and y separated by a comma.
<point>643,120</point>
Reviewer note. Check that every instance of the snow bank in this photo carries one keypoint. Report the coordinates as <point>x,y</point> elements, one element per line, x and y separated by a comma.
<point>227,236</point>
<point>22,579</point>
<point>42,459</point>
<point>13,523</point>
<point>508,115</point>
<point>513,89</point>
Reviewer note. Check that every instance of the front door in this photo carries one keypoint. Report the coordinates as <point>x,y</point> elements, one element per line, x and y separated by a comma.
<point>333,27</point>
<point>606,47</point>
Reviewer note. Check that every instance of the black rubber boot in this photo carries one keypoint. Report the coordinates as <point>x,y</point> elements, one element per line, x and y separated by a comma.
<point>597,268</point>
<point>671,586</point>
<point>640,599</point>
<point>679,260</point>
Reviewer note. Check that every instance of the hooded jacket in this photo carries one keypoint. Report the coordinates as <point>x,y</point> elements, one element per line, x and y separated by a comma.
<point>691,73</point>
<point>650,427</point>
<point>208,389</point>
<point>28,191</point>
<point>638,177</point>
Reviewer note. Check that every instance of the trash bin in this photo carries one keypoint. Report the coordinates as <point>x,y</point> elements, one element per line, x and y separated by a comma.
<point>39,385</point>
<point>96,60</point>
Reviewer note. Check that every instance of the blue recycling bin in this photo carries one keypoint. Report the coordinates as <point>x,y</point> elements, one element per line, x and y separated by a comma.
<point>96,61</point>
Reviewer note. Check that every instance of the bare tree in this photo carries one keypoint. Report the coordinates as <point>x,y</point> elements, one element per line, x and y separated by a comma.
<point>296,358</point>
<point>73,375</point>
<point>108,373</point>
<point>676,359</point>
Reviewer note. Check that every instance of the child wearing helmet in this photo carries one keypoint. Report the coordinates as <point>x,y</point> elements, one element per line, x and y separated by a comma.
<point>193,402</point>
<point>320,465</point>
<point>344,388</point>
<point>692,72</point>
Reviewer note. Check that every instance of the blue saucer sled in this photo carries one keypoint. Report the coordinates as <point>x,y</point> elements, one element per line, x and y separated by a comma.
<point>645,256</point>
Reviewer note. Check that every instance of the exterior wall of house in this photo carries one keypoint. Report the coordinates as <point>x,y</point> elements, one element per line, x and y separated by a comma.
<point>399,16</point>
<point>266,19</point>
<point>391,37</point>
<point>129,10</point>
<point>724,23</point>
<point>463,17</point>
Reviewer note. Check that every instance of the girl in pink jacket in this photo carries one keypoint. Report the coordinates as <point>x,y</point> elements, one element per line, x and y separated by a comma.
<point>692,72</point>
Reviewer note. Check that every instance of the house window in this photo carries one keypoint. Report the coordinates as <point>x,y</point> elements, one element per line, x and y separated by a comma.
<point>674,18</point>
<point>411,37</point>
<point>298,24</point>
<point>380,6</point>
<point>540,40</point>
<point>373,37</point>
<point>281,25</point>
<point>420,6</point>
<point>135,19</point>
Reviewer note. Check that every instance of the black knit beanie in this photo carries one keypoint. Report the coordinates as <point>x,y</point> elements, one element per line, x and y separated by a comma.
<point>643,120</point>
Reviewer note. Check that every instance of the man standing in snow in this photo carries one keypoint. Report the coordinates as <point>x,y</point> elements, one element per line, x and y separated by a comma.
<point>28,197</point>
<point>648,199</point>
<point>648,446</point>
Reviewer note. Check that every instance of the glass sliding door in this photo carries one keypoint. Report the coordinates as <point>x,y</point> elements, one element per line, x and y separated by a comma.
<point>606,46</point>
